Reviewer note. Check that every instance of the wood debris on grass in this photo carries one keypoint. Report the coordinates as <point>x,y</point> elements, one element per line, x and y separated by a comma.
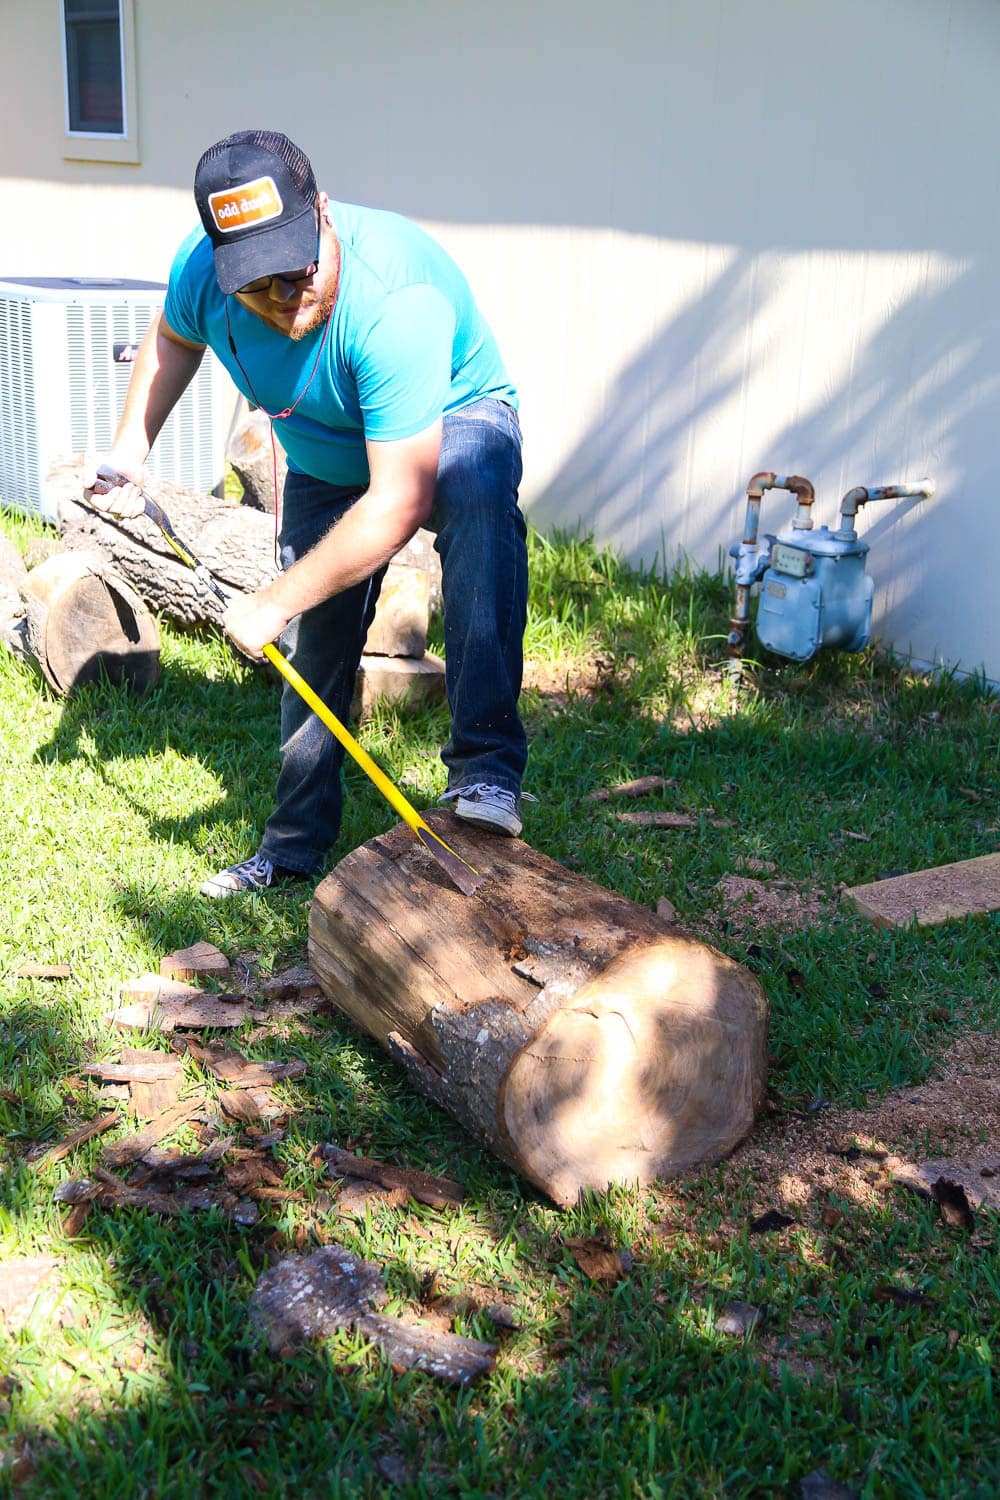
<point>121,1153</point>
<point>43,971</point>
<point>670,820</point>
<point>51,1154</point>
<point>438,1192</point>
<point>171,1197</point>
<point>170,1183</point>
<point>154,1003</point>
<point>201,961</point>
<point>638,788</point>
<point>598,1260</point>
<point>305,1298</point>
<point>749,904</point>
<point>230,1066</point>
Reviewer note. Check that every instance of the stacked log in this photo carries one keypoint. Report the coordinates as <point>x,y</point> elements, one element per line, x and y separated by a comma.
<point>578,1036</point>
<point>81,622</point>
<point>237,545</point>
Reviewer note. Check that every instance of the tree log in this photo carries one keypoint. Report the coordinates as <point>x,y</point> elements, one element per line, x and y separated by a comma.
<point>574,1032</point>
<point>236,544</point>
<point>13,576</point>
<point>82,620</point>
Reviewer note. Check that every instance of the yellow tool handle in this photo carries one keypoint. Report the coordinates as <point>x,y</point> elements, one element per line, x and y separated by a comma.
<point>398,801</point>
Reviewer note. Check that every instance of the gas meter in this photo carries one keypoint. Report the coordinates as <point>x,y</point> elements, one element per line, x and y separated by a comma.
<point>814,592</point>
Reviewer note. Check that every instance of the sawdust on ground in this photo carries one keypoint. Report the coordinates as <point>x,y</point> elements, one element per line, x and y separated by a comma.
<point>800,1161</point>
<point>749,904</point>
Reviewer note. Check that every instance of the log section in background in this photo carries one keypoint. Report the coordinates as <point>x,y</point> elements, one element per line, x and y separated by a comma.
<point>234,542</point>
<point>82,620</point>
<point>583,1040</point>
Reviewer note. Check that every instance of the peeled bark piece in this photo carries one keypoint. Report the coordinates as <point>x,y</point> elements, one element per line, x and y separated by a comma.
<point>82,620</point>
<point>584,1041</point>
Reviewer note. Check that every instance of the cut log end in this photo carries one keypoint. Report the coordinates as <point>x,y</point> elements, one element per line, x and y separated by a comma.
<point>656,1069</point>
<point>84,622</point>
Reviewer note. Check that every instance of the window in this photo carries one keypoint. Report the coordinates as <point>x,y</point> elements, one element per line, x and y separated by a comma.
<point>99,57</point>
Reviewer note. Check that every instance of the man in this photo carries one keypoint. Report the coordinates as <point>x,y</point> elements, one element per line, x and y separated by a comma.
<point>360,337</point>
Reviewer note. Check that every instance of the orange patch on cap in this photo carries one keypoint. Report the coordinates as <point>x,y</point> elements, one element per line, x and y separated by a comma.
<point>253,203</point>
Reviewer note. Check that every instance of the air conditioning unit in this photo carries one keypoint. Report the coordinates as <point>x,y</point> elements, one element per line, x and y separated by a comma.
<point>66,350</point>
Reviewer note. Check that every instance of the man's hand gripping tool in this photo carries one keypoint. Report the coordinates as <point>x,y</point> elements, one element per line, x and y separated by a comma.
<point>459,870</point>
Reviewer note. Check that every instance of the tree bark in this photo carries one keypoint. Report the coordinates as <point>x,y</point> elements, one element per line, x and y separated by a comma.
<point>82,620</point>
<point>577,1035</point>
<point>235,543</point>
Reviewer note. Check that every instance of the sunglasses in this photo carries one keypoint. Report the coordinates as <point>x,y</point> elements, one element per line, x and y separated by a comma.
<point>263,283</point>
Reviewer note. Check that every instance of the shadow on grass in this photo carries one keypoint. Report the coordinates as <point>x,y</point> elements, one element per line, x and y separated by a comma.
<point>630,1389</point>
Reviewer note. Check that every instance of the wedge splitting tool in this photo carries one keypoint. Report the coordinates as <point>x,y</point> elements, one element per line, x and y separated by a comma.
<point>459,870</point>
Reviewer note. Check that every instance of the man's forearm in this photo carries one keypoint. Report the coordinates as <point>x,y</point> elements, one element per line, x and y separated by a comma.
<point>162,371</point>
<point>363,540</point>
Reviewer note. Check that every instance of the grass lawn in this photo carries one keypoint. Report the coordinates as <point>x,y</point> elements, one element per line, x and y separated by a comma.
<point>872,1360</point>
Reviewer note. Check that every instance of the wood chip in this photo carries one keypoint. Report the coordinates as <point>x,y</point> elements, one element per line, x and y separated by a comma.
<point>667,911</point>
<point>144,1070</point>
<point>43,971</point>
<point>673,820</point>
<point>70,1142</point>
<point>150,1097</point>
<point>299,981</point>
<point>120,1153</point>
<point>978,1176</point>
<point>930,897</point>
<point>239,1104</point>
<point>193,1014</point>
<point>637,788</point>
<point>598,1261</point>
<point>439,1192</point>
<point>355,1197</point>
<point>200,961</point>
<point>233,1067</point>
<point>75,1219</point>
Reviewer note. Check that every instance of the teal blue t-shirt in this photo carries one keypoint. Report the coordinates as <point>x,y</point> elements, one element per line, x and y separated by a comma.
<point>407,344</point>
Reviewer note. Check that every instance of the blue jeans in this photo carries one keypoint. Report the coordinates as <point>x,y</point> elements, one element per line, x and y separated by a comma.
<point>484,585</point>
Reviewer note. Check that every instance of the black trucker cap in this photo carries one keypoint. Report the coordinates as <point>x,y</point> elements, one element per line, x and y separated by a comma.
<point>256,193</point>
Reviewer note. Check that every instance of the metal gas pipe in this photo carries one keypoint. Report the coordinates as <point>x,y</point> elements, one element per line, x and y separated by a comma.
<point>751,560</point>
<point>815,593</point>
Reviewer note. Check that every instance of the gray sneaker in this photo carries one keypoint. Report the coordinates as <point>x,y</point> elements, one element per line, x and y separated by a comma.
<point>490,807</point>
<point>254,874</point>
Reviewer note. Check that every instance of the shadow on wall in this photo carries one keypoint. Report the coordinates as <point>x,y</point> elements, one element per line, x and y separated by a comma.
<point>908,402</point>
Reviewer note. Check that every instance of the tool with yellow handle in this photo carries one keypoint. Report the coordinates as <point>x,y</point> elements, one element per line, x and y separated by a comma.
<point>464,876</point>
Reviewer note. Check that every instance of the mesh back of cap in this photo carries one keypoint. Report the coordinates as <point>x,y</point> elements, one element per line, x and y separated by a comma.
<point>298,164</point>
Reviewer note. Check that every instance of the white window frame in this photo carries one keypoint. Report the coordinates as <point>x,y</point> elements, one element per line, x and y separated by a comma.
<point>86,145</point>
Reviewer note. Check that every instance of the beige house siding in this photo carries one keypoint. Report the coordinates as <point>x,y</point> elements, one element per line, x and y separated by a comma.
<point>713,238</point>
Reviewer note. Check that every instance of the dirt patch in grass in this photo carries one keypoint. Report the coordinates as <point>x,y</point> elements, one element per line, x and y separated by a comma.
<point>749,904</point>
<point>846,1154</point>
<point>556,681</point>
